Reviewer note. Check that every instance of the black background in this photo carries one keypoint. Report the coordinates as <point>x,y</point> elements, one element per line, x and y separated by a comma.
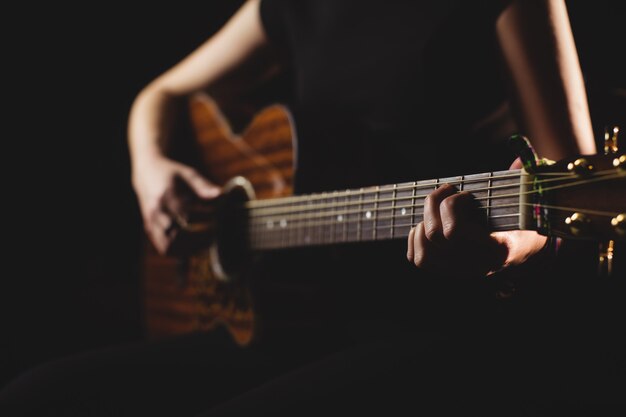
<point>70,280</point>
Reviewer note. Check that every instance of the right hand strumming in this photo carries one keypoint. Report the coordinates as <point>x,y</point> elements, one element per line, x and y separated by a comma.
<point>164,190</point>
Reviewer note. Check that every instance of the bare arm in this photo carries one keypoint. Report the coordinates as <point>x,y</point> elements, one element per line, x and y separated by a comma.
<point>153,174</point>
<point>538,46</point>
<point>539,49</point>
<point>241,37</point>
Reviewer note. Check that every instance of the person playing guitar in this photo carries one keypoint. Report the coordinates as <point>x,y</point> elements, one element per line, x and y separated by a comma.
<point>548,85</point>
<point>383,93</point>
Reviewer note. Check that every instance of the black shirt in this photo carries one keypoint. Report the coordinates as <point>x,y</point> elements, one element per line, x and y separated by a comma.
<point>384,92</point>
<point>389,91</point>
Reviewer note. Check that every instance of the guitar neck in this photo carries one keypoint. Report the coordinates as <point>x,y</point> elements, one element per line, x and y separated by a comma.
<point>375,213</point>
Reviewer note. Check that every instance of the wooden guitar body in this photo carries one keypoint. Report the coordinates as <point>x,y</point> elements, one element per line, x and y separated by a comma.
<point>578,198</point>
<point>183,296</point>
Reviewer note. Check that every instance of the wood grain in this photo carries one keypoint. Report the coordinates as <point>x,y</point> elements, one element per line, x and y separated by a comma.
<point>183,296</point>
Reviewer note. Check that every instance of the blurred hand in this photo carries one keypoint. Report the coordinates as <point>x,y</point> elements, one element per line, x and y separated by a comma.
<point>164,189</point>
<point>454,240</point>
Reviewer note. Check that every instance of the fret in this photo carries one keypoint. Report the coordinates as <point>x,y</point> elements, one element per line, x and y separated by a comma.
<point>393,205</point>
<point>489,186</point>
<point>340,218</point>
<point>352,217</point>
<point>316,232</point>
<point>413,202</point>
<point>504,200</point>
<point>374,213</point>
<point>332,218</point>
<point>283,230</point>
<point>455,181</point>
<point>326,219</point>
<point>368,215</point>
<point>476,185</point>
<point>384,212</point>
<point>294,226</point>
<point>308,229</point>
<point>404,208</point>
<point>423,188</point>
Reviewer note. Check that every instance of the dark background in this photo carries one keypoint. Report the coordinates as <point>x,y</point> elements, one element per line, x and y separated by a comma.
<point>71,279</point>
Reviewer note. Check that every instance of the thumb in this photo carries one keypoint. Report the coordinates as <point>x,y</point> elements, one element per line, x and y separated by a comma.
<point>200,185</point>
<point>517,164</point>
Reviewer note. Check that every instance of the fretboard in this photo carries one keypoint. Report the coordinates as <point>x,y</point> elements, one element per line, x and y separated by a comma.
<point>374,213</point>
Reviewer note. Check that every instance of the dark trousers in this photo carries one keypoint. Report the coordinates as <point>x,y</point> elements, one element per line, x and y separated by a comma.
<point>562,352</point>
<point>497,373</point>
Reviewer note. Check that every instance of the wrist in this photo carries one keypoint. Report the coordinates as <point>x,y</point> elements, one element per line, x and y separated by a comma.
<point>510,280</point>
<point>147,157</point>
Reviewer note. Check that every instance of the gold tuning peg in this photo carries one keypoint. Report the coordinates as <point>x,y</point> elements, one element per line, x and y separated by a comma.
<point>605,258</point>
<point>610,140</point>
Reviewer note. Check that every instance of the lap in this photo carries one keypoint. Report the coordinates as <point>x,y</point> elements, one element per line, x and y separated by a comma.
<point>206,373</point>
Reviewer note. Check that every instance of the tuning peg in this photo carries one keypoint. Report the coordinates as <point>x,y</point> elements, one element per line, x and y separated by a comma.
<point>578,223</point>
<point>619,224</point>
<point>610,140</point>
<point>605,258</point>
<point>580,166</point>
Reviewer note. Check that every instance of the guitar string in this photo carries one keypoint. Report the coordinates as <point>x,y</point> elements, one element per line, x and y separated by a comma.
<point>282,243</point>
<point>315,210</point>
<point>281,240</point>
<point>596,212</point>
<point>267,211</point>
<point>280,202</point>
<point>371,210</point>
<point>416,185</point>
<point>400,187</point>
<point>299,225</point>
<point>531,192</point>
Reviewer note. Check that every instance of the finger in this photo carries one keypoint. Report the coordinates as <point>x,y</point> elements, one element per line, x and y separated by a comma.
<point>174,205</point>
<point>410,250</point>
<point>517,164</point>
<point>422,247</point>
<point>518,246</point>
<point>158,231</point>
<point>160,220</point>
<point>433,229</point>
<point>202,187</point>
<point>461,219</point>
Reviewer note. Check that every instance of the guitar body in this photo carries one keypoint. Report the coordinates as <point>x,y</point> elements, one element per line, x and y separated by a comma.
<point>183,296</point>
<point>579,198</point>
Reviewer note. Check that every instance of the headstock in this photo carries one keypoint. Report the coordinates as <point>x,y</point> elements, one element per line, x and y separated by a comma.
<point>581,198</point>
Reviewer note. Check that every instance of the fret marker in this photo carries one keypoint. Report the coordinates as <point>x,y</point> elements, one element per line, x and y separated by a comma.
<point>403,211</point>
<point>340,218</point>
<point>368,214</point>
<point>270,224</point>
<point>283,223</point>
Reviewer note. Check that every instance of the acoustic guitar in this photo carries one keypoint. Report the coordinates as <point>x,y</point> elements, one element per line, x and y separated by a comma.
<point>580,198</point>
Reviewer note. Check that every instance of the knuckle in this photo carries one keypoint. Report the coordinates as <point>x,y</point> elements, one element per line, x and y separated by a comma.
<point>450,204</point>
<point>418,259</point>
<point>432,232</point>
<point>450,229</point>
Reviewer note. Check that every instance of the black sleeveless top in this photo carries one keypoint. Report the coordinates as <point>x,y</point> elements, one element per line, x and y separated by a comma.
<point>385,92</point>
<point>389,91</point>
